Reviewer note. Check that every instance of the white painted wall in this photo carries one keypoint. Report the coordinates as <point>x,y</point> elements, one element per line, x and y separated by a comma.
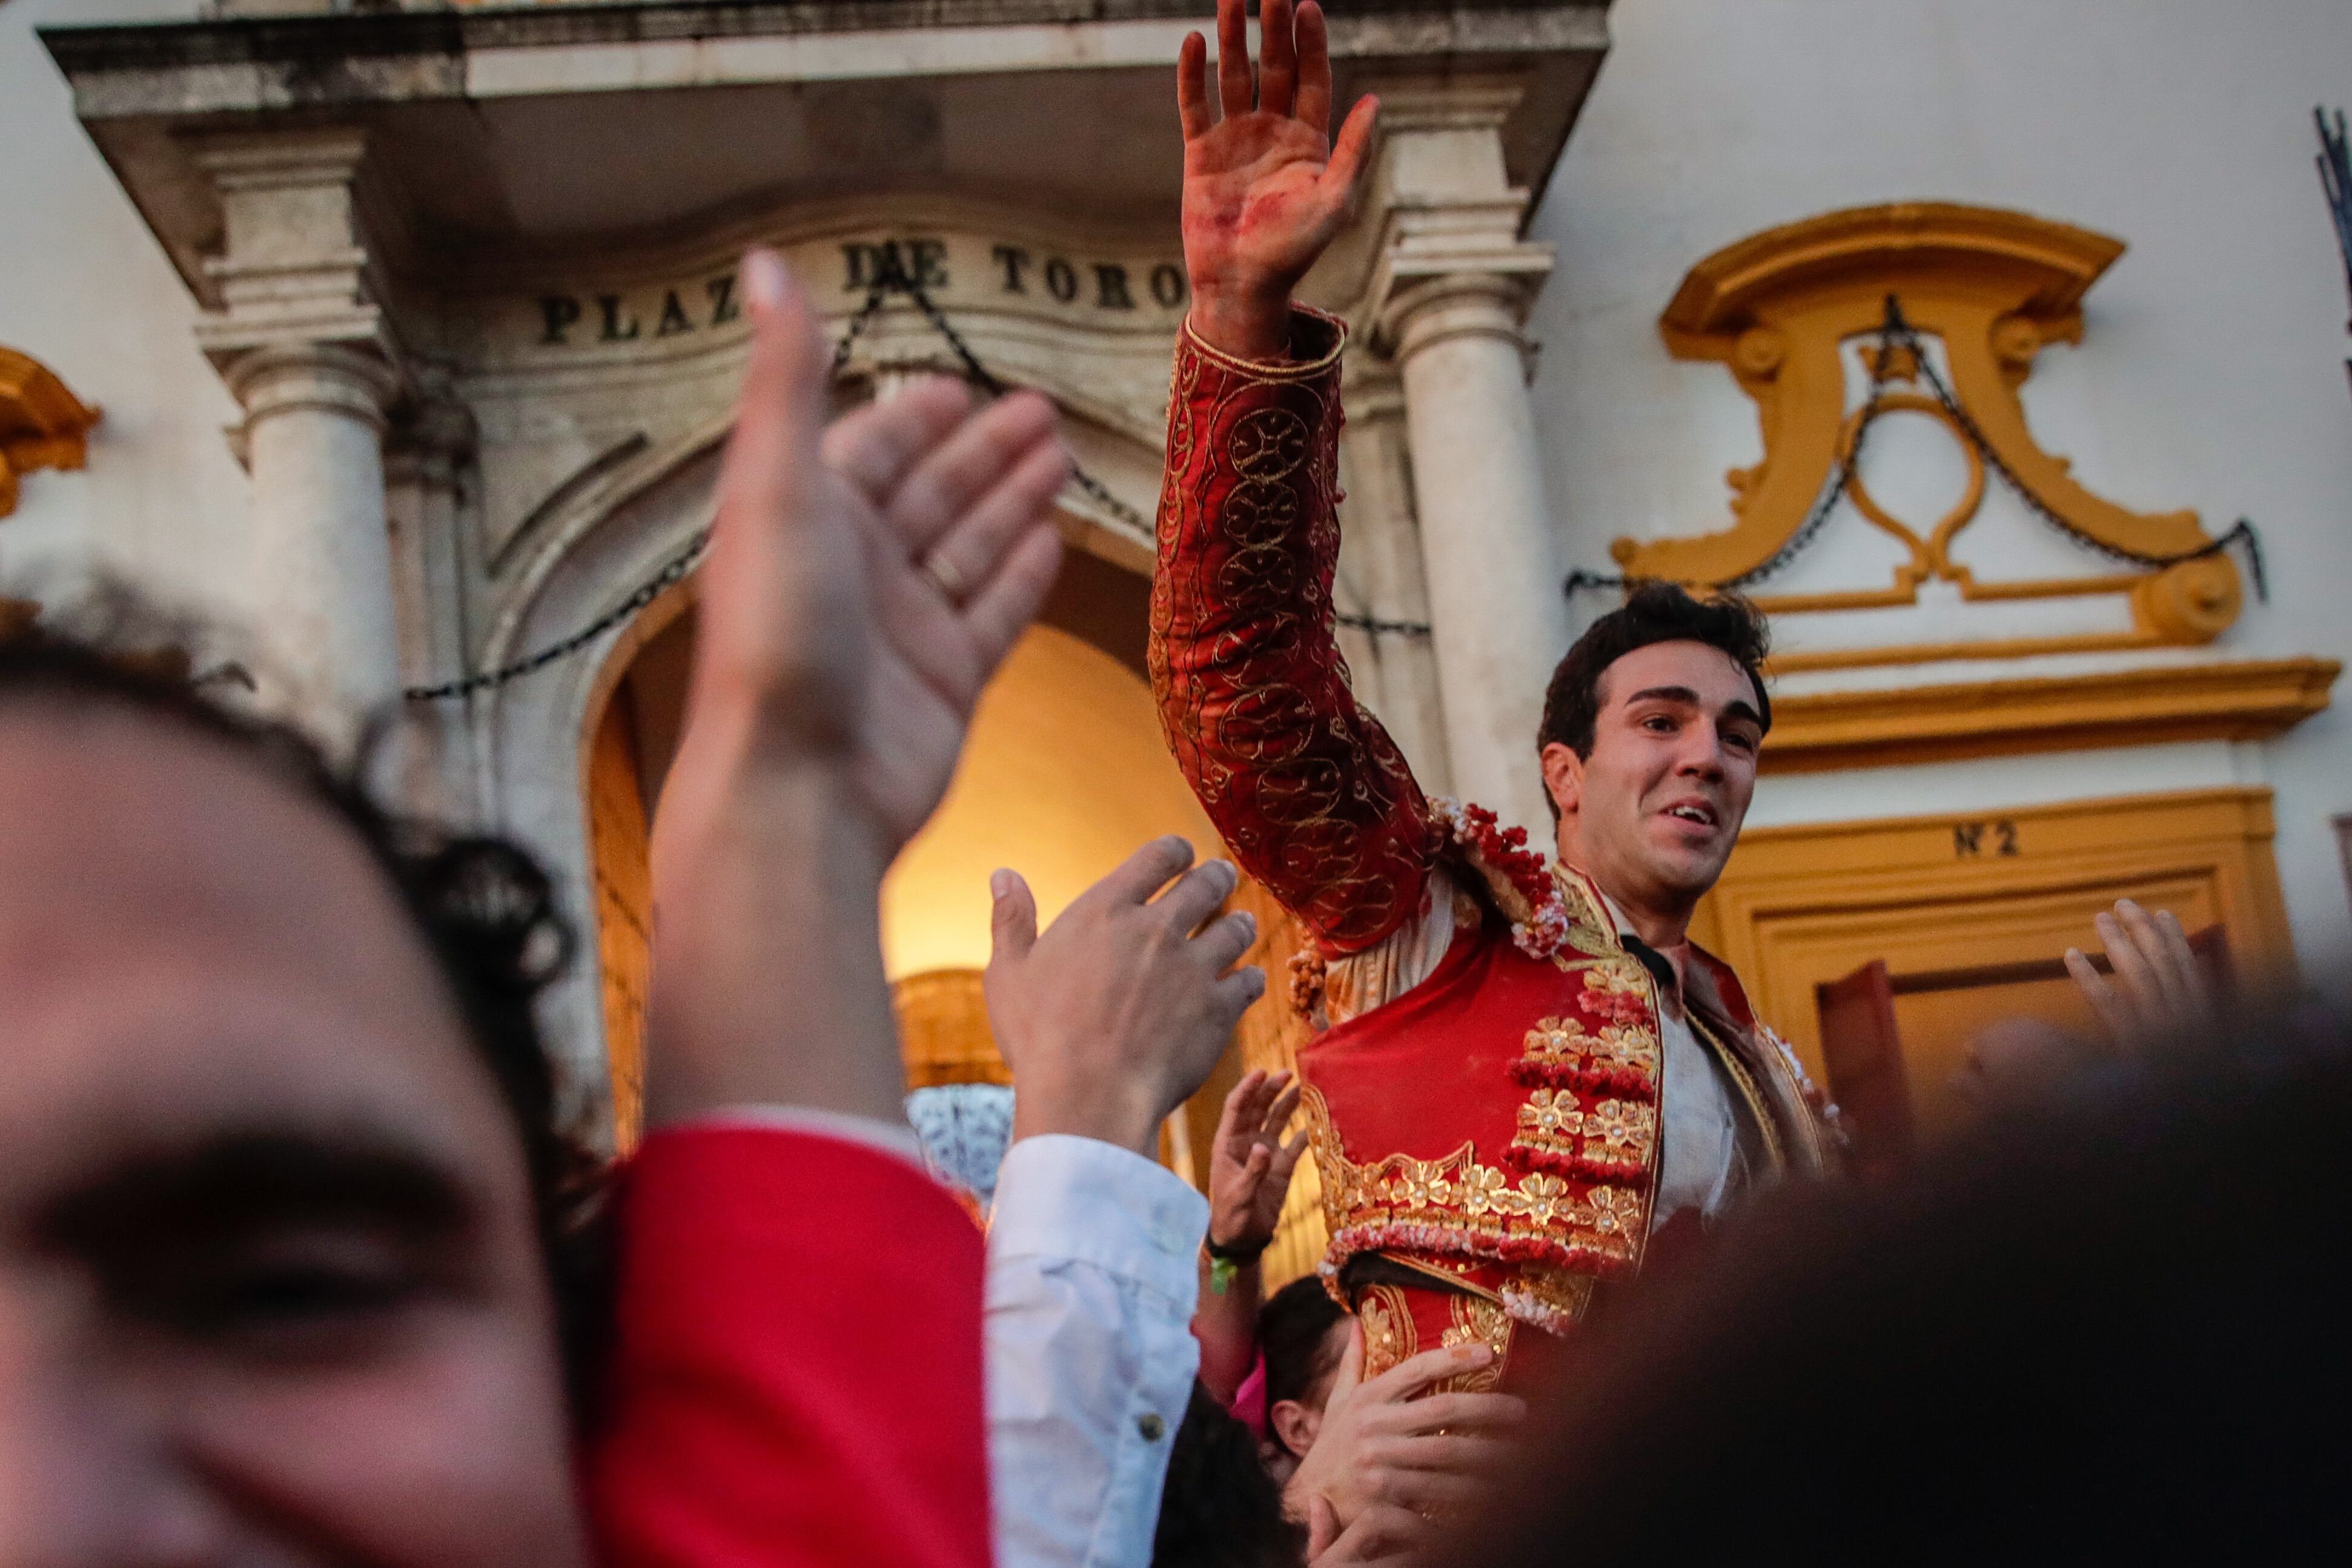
<point>2212,374</point>
<point>85,288</point>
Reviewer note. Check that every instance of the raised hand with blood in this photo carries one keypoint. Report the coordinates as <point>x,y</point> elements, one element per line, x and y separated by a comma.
<point>1265,187</point>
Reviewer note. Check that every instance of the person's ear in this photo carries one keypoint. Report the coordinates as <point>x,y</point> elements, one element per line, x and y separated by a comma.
<point>1295,1424</point>
<point>1563,772</point>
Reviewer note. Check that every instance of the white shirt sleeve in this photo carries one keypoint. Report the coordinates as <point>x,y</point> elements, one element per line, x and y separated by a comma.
<point>1092,1277</point>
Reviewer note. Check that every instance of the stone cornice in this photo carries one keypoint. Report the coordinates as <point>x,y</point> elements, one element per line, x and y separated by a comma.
<point>450,189</point>
<point>2252,699</point>
<point>421,37</point>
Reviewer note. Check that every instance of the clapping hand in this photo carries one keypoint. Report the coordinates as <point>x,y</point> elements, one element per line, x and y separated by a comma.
<point>1249,1164</point>
<point>1264,187</point>
<point>866,580</point>
<point>863,583</point>
<point>1116,1014</point>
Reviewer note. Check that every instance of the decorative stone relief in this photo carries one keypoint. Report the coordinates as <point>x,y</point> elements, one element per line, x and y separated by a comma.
<point>1787,310</point>
<point>588,386</point>
<point>42,424</point>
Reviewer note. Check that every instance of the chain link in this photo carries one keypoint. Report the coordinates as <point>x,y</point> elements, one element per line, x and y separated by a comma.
<point>890,278</point>
<point>1896,332</point>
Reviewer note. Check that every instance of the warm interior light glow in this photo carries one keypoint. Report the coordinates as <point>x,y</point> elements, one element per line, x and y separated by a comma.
<point>1065,776</point>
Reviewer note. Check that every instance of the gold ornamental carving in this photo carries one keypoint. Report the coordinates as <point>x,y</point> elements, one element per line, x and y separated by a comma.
<point>1784,309</point>
<point>42,424</point>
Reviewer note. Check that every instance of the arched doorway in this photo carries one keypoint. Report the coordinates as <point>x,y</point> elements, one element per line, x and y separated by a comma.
<point>1066,773</point>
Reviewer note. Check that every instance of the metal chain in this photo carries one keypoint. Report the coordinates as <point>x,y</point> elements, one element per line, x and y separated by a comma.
<point>1839,481</point>
<point>673,570</point>
<point>2242,530</point>
<point>891,278</point>
<point>1087,483</point>
<point>1898,331</point>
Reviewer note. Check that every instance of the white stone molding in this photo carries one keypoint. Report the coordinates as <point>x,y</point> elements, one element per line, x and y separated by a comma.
<point>426,466</point>
<point>531,735</point>
<point>313,439</point>
<point>292,265</point>
<point>308,355</point>
<point>1450,286</point>
<point>1395,673</point>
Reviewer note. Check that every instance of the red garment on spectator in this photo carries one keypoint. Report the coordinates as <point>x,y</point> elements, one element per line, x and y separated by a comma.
<point>796,1376</point>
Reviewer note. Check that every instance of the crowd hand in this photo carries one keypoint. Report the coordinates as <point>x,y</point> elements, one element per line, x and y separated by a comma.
<point>1117,1014</point>
<point>1384,1443</point>
<point>1265,187</point>
<point>2159,991</point>
<point>1382,1536</point>
<point>863,584</point>
<point>1249,1163</point>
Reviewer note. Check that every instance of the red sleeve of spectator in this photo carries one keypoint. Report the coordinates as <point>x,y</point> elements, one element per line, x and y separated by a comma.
<point>796,1372</point>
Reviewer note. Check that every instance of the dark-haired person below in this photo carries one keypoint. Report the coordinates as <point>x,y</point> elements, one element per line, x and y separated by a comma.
<point>292,1250</point>
<point>1303,1335</point>
<point>1527,1070</point>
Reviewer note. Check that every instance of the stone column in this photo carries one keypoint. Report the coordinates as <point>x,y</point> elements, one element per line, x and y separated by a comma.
<point>1452,289</point>
<point>302,344</point>
<point>1395,671</point>
<point>423,463</point>
<point>313,437</point>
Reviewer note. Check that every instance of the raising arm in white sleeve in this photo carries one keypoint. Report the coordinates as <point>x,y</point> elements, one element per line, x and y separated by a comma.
<point>1091,1285</point>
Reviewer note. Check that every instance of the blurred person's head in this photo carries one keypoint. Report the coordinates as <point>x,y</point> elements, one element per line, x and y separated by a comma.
<point>1303,1333</point>
<point>2107,1329</point>
<point>1218,1507</point>
<point>285,1217</point>
<point>1649,740</point>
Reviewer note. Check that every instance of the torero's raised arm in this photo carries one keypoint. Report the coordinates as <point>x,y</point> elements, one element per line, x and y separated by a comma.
<point>1311,794</point>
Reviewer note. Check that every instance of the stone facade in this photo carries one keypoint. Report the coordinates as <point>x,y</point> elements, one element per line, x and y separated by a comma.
<point>458,280</point>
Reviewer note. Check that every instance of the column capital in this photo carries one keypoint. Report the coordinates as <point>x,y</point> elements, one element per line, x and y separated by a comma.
<point>1422,301</point>
<point>1471,100</point>
<point>1447,217</point>
<point>293,265</point>
<point>330,378</point>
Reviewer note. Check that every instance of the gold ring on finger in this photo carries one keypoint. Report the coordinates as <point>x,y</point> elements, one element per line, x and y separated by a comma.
<point>945,577</point>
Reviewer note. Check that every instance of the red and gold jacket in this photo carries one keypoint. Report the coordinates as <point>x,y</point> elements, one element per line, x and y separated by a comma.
<point>1486,1122</point>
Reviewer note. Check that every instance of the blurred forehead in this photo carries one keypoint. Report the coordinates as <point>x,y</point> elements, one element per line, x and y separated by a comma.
<point>185,941</point>
<point>1701,667</point>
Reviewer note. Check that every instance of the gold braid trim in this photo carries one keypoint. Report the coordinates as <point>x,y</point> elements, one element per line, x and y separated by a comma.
<point>1457,1207</point>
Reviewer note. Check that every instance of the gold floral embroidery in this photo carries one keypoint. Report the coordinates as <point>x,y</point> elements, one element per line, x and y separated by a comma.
<point>1613,1136</point>
<point>1474,1320</point>
<point>1307,789</point>
<point>1456,1204</point>
<point>1389,1335</point>
<point>1560,1293</point>
<point>1565,1046</point>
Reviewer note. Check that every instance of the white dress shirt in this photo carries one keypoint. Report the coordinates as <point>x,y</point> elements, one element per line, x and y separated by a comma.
<point>1698,1146</point>
<point>1092,1277</point>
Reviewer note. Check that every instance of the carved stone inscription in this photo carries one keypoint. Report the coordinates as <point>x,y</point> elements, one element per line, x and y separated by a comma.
<point>1039,277</point>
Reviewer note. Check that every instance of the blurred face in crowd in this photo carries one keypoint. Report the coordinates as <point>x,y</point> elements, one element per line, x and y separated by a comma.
<point>269,1287</point>
<point>1653,812</point>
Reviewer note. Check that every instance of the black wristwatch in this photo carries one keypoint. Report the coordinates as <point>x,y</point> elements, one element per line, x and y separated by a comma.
<point>1239,1256</point>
